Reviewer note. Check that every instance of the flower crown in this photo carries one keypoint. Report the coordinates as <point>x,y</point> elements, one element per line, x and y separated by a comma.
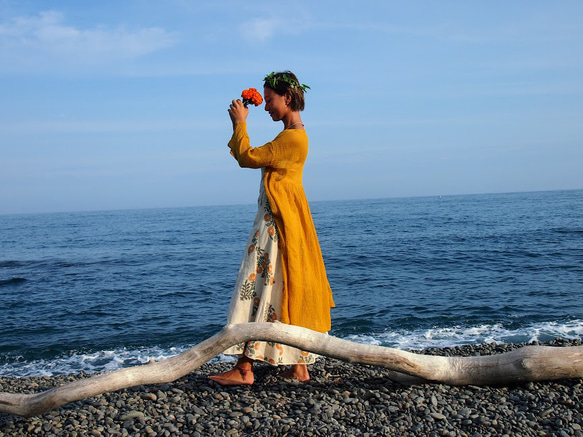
<point>273,81</point>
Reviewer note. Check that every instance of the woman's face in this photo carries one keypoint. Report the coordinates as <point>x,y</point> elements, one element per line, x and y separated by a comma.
<point>275,104</point>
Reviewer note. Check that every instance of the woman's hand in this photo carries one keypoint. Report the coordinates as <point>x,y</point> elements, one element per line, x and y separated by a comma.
<point>238,112</point>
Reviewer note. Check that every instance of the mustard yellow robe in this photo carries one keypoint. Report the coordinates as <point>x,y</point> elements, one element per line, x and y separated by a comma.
<point>307,297</point>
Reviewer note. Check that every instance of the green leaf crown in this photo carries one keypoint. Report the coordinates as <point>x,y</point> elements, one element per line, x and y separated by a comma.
<point>274,79</point>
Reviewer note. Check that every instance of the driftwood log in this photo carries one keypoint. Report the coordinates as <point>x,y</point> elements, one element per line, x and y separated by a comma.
<point>530,363</point>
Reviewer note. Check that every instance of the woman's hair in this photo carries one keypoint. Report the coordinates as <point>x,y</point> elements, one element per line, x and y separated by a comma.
<point>285,82</point>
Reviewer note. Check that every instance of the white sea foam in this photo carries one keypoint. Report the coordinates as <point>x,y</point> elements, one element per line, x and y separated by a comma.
<point>463,335</point>
<point>101,361</point>
<point>110,360</point>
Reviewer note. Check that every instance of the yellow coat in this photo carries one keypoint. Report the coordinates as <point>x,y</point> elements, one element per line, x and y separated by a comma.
<point>307,297</point>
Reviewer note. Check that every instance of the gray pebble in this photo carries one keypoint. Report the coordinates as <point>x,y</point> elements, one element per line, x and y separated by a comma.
<point>340,399</point>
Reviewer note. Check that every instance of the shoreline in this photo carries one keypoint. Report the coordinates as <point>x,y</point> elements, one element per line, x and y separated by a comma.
<point>341,399</point>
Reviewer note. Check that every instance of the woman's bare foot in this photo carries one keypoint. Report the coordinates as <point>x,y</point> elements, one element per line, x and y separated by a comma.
<point>241,374</point>
<point>297,371</point>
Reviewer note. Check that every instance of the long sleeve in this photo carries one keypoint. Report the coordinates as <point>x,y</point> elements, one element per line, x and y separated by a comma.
<point>284,152</point>
<point>246,155</point>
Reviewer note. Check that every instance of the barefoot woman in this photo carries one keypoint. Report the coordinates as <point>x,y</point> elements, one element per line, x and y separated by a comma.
<point>282,276</point>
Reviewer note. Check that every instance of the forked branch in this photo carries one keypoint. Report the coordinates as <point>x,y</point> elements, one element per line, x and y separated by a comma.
<point>530,363</point>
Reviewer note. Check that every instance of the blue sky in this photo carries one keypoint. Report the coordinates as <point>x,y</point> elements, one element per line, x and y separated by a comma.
<point>118,105</point>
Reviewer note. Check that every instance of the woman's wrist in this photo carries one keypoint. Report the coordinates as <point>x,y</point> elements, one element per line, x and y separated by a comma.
<point>237,123</point>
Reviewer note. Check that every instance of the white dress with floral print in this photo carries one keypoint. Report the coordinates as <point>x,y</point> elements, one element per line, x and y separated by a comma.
<point>258,291</point>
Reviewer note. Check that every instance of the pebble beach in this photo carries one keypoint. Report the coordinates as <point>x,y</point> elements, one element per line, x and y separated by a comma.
<point>342,399</point>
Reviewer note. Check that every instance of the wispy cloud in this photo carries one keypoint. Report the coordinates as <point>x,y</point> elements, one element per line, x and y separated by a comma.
<point>45,41</point>
<point>260,29</point>
<point>109,126</point>
<point>263,29</point>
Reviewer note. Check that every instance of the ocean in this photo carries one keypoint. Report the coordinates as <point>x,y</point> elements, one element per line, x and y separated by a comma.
<point>96,291</point>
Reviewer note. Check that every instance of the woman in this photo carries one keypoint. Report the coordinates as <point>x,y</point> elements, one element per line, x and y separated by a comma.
<point>282,275</point>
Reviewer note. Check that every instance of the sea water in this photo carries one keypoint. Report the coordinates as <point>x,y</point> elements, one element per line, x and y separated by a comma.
<point>96,291</point>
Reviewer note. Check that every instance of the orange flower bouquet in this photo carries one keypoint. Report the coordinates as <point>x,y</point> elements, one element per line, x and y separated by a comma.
<point>251,96</point>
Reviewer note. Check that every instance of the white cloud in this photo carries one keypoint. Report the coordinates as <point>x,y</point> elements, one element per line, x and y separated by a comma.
<point>260,29</point>
<point>45,41</point>
<point>102,126</point>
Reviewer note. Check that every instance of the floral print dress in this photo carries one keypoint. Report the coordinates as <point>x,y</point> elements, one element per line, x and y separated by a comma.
<point>258,291</point>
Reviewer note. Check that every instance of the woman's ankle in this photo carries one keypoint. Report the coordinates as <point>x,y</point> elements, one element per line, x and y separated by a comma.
<point>244,363</point>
